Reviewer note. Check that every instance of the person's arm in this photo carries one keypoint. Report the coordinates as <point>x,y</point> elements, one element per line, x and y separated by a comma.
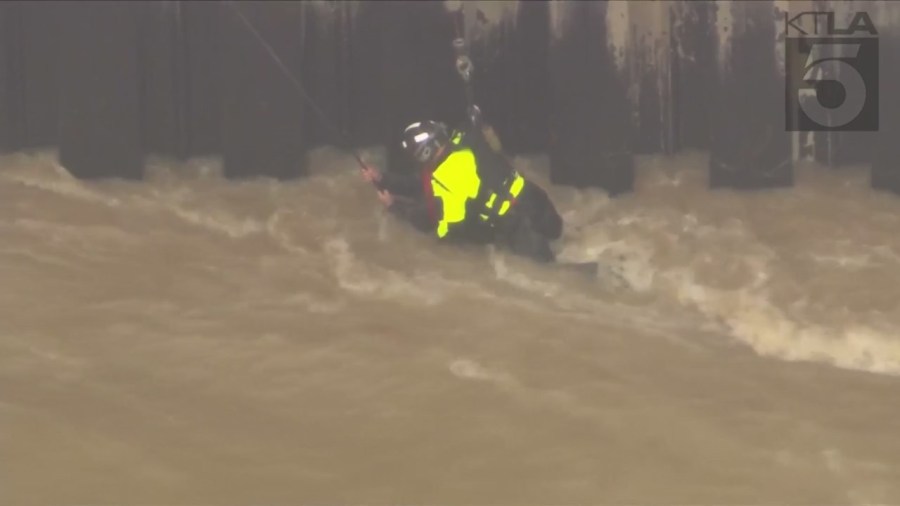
<point>402,195</point>
<point>415,212</point>
<point>407,185</point>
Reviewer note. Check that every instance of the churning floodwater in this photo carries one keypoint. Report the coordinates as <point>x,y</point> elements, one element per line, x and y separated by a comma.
<point>195,340</point>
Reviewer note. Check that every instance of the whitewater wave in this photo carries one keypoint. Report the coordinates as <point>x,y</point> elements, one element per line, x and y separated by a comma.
<point>722,258</point>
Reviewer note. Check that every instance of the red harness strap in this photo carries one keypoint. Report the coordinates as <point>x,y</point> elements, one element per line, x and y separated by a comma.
<point>429,194</point>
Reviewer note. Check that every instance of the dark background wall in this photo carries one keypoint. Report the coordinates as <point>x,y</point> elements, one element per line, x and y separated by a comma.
<point>590,83</point>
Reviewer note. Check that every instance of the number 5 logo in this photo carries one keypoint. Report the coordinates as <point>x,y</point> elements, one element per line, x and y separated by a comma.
<point>821,67</point>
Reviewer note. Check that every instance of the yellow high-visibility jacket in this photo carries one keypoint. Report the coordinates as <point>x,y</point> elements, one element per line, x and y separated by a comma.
<point>459,188</point>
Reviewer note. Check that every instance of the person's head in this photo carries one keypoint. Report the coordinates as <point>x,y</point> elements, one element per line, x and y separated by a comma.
<point>425,141</point>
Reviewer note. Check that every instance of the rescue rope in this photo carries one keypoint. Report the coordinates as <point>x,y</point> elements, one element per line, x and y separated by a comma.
<point>463,64</point>
<point>296,82</point>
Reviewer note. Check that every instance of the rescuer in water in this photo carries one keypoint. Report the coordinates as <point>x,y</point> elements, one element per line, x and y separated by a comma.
<point>465,192</point>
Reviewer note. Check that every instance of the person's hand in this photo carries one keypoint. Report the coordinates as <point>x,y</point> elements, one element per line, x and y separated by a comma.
<point>371,174</point>
<point>385,197</point>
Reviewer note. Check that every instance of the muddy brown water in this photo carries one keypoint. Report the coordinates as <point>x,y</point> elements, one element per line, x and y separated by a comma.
<point>194,340</point>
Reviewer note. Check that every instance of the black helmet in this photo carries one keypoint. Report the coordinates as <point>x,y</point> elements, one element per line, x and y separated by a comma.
<point>424,139</point>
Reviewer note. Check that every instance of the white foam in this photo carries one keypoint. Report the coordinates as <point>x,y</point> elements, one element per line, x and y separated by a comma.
<point>275,230</point>
<point>220,221</point>
<point>771,331</point>
<point>360,278</point>
<point>720,267</point>
<point>54,178</point>
<point>468,369</point>
<point>505,273</point>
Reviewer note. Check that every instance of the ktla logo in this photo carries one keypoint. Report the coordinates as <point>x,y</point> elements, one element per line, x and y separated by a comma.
<point>831,73</point>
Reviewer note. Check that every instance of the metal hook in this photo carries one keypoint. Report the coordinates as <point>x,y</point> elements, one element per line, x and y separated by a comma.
<point>464,64</point>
